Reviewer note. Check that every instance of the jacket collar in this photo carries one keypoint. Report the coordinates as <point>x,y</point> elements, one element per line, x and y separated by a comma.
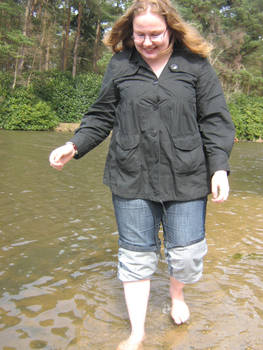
<point>137,59</point>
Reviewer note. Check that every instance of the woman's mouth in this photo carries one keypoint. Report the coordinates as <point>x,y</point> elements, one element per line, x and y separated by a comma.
<point>149,51</point>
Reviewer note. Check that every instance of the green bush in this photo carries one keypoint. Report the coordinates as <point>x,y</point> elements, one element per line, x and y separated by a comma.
<point>5,85</point>
<point>87,87</point>
<point>104,61</point>
<point>69,98</point>
<point>56,97</point>
<point>247,114</point>
<point>56,89</point>
<point>23,111</point>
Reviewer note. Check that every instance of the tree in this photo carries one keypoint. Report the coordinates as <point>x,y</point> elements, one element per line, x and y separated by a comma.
<point>14,36</point>
<point>76,45</point>
<point>65,35</point>
<point>235,27</point>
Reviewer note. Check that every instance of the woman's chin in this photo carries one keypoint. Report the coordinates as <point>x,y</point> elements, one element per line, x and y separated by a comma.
<point>150,54</point>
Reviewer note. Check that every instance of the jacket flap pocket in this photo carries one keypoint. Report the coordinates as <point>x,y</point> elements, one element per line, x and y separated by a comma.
<point>188,142</point>
<point>127,141</point>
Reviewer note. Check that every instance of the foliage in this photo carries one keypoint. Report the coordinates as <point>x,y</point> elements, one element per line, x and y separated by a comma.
<point>42,34</point>
<point>247,114</point>
<point>87,87</point>
<point>52,98</point>
<point>57,89</point>
<point>69,98</point>
<point>23,111</point>
<point>10,30</point>
<point>5,85</point>
<point>104,60</point>
<point>56,97</point>
<point>240,81</point>
<point>46,35</point>
<point>235,29</point>
<point>37,47</point>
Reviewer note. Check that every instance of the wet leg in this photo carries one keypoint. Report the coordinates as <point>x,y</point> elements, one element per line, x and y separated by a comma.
<point>179,311</point>
<point>136,297</point>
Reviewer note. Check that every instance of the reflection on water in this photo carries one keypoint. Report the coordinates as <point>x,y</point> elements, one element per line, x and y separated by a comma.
<point>58,256</point>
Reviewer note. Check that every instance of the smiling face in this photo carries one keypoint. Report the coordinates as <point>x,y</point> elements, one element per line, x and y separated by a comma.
<point>151,36</point>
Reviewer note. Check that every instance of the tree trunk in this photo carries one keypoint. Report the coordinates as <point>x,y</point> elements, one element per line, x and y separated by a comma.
<point>15,74</point>
<point>66,37</point>
<point>96,46</point>
<point>32,67</point>
<point>43,35</point>
<point>25,31</point>
<point>75,59</point>
<point>47,55</point>
<point>20,61</point>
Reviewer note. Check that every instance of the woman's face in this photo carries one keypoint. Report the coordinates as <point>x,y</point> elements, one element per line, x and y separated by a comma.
<point>150,35</point>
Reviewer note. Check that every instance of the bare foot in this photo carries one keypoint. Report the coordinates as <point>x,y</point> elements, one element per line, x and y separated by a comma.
<point>180,312</point>
<point>130,344</point>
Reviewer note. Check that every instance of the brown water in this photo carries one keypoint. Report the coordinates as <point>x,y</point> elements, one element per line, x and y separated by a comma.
<point>58,253</point>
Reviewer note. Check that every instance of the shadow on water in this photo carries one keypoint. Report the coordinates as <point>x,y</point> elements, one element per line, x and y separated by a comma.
<point>58,255</point>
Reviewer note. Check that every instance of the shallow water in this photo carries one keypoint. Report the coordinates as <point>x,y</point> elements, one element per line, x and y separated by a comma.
<point>58,254</point>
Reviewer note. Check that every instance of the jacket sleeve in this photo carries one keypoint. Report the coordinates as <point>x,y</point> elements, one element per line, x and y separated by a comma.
<point>215,123</point>
<point>98,121</point>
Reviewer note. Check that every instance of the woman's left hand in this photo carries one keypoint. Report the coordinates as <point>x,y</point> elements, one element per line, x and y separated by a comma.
<point>220,186</point>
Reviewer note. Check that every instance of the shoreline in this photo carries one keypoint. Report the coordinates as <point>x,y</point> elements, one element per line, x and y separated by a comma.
<point>67,127</point>
<point>71,127</point>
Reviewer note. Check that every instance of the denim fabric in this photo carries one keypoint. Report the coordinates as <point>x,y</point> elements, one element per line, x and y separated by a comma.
<point>139,222</point>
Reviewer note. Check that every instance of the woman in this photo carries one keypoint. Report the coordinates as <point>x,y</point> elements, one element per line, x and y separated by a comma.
<point>171,139</point>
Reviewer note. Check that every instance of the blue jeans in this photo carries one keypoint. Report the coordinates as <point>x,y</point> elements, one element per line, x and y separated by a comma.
<point>139,223</point>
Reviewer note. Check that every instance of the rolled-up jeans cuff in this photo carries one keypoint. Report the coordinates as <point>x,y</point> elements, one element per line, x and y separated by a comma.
<point>185,264</point>
<point>134,265</point>
<point>138,248</point>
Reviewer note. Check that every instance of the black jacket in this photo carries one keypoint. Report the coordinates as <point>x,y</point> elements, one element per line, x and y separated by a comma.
<point>169,134</point>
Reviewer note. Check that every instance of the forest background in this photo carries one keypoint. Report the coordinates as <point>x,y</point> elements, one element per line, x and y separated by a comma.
<point>52,58</point>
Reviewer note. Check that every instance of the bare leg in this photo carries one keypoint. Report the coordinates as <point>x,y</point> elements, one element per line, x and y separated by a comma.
<point>136,296</point>
<point>180,311</point>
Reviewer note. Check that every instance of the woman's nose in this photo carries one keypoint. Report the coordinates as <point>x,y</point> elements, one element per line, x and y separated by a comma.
<point>147,41</point>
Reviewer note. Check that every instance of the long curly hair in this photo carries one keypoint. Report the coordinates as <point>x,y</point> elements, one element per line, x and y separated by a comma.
<point>119,37</point>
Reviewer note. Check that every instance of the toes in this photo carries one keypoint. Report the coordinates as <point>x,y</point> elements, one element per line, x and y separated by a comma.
<point>180,312</point>
<point>177,319</point>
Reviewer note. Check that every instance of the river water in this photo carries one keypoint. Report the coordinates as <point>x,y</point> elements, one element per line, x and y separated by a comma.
<point>58,254</point>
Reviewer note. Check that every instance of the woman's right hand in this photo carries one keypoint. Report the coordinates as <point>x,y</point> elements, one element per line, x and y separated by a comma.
<point>61,155</point>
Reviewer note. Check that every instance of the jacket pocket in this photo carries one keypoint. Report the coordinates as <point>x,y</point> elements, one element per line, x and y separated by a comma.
<point>188,154</point>
<point>127,153</point>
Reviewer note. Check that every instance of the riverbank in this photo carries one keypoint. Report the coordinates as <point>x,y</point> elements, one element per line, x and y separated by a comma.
<point>71,127</point>
<point>67,127</point>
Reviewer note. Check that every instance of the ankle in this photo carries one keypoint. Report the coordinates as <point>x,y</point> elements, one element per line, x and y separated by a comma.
<point>136,337</point>
<point>177,295</point>
<point>176,290</point>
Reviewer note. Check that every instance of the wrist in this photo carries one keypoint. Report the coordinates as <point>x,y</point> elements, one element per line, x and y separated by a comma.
<point>218,172</point>
<point>74,147</point>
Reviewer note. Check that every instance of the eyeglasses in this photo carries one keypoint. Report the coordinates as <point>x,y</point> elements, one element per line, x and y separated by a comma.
<point>154,38</point>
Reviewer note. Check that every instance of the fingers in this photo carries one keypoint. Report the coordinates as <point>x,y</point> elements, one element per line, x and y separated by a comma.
<point>220,186</point>
<point>220,195</point>
<point>54,160</point>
